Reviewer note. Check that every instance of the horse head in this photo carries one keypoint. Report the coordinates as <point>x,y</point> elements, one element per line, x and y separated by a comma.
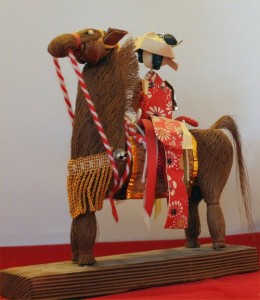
<point>88,45</point>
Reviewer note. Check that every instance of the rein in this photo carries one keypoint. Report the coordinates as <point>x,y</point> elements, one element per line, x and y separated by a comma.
<point>117,182</point>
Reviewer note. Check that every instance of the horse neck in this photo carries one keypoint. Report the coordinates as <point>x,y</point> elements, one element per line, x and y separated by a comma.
<point>106,87</point>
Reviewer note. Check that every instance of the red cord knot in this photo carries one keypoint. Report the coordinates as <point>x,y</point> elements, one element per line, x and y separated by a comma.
<point>187,120</point>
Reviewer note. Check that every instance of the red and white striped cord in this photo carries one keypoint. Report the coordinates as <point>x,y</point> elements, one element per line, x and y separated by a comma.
<point>129,130</point>
<point>128,161</point>
<point>136,136</point>
<point>133,127</point>
<point>95,116</point>
<point>64,89</point>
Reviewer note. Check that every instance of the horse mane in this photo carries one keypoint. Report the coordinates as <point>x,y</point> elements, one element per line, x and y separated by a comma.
<point>131,74</point>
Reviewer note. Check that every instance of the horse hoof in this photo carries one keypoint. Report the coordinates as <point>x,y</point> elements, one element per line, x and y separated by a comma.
<point>192,244</point>
<point>86,260</point>
<point>74,258</point>
<point>219,245</point>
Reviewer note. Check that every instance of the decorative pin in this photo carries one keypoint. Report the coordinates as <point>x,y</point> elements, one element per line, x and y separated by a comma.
<point>120,156</point>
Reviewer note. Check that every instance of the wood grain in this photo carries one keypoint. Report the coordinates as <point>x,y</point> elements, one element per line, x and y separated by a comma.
<point>119,273</point>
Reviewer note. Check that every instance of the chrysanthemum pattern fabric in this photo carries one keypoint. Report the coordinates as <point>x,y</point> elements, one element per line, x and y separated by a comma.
<point>169,132</point>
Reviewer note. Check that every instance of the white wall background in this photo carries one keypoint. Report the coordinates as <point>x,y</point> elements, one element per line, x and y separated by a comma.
<point>219,74</point>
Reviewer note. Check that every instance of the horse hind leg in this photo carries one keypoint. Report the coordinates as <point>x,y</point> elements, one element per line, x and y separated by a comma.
<point>215,220</point>
<point>193,231</point>
<point>215,154</point>
<point>216,224</point>
<point>212,187</point>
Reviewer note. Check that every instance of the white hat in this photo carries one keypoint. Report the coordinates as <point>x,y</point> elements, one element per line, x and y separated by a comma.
<point>155,43</point>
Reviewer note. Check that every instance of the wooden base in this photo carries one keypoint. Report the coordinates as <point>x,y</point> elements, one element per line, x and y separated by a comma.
<point>120,273</point>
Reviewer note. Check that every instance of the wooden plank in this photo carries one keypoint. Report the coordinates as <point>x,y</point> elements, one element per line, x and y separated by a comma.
<point>118,273</point>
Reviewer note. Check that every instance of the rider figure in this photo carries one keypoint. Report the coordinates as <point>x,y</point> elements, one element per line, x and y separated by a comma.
<point>164,135</point>
<point>157,96</point>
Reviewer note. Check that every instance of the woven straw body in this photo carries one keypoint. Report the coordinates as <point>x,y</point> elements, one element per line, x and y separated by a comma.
<point>114,86</point>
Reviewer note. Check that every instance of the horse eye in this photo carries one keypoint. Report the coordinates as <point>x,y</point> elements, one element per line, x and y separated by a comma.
<point>91,32</point>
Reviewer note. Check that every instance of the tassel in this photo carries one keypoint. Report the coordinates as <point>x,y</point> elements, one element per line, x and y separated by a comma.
<point>87,183</point>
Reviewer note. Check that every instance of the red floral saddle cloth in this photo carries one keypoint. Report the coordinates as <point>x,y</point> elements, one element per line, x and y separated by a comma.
<point>173,164</point>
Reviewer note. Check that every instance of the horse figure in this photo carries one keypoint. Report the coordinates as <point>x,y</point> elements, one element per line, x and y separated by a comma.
<point>111,75</point>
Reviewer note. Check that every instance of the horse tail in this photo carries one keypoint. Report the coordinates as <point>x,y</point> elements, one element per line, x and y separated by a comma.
<point>228,123</point>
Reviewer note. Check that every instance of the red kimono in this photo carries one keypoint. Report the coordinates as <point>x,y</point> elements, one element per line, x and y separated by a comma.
<point>157,103</point>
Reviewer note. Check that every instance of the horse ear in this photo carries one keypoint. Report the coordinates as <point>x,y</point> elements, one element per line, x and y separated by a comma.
<point>113,36</point>
<point>60,45</point>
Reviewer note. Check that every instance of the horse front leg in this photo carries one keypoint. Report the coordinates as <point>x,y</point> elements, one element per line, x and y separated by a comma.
<point>83,236</point>
<point>193,231</point>
<point>73,241</point>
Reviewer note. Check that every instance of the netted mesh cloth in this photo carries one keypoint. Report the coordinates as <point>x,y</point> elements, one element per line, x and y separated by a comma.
<point>87,183</point>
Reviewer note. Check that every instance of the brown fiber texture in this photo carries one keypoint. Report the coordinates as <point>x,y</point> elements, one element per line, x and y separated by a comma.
<point>228,123</point>
<point>215,157</point>
<point>112,85</point>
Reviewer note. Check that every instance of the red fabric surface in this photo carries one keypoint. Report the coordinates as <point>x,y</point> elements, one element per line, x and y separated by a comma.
<point>240,286</point>
<point>152,166</point>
